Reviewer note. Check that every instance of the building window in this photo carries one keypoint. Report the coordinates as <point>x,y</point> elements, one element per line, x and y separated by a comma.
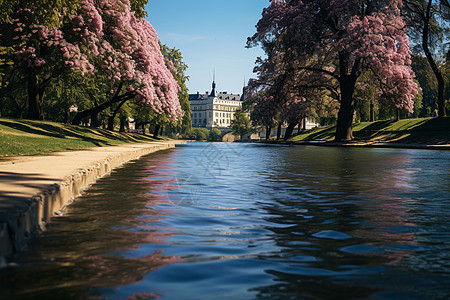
<point>210,114</point>
<point>195,115</point>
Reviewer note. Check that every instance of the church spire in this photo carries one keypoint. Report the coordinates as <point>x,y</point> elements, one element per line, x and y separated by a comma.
<point>213,91</point>
<point>243,91</point>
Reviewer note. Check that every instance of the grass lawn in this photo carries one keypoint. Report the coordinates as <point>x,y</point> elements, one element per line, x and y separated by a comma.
<point>420,131</point>
<point>26,137</point>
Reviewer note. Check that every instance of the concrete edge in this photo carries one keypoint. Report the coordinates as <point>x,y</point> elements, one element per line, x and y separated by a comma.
<point>361,145</point>
<point>16,230</point>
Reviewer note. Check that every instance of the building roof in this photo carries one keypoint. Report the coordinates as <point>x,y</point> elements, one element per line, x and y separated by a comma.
<point>197,96</point>
<point>214,93</point>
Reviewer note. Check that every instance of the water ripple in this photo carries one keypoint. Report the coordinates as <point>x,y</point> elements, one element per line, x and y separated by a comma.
<point>272,223</point>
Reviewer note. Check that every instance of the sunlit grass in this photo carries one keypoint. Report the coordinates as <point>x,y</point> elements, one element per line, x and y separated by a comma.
<point>26,137</point>
<point>421,130</point>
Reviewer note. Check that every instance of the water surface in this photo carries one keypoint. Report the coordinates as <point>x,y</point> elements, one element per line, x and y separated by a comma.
<point>247,221</point>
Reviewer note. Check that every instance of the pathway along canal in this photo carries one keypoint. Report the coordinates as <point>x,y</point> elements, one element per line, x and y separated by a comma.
<point>250,221</point>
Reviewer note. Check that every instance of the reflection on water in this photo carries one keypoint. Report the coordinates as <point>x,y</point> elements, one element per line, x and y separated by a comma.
<point>242,221</point>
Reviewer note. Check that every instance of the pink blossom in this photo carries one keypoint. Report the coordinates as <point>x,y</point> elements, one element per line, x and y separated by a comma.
<point>103,35</point>
<point>331,42</point>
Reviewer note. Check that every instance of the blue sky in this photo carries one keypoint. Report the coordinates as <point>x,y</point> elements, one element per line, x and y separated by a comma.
<point>210,34</point>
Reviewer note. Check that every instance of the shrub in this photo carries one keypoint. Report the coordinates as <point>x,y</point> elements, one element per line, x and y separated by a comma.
<point>215,135</point>
<point>199,134</point>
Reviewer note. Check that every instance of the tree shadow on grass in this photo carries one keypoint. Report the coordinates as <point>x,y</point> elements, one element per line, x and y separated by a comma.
<point>378,125</point>
<point>431,131</point>
<point>427,131</point>
<point>23,126</point>
<point>320,134</point>
<point>98,137</point>
<point>51,131</point>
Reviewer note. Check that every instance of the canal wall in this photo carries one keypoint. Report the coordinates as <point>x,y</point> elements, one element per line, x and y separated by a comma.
<point>35,189</point>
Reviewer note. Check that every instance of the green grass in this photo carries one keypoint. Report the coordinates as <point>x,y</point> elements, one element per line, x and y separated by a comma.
<point>420,131</point>
<point>26,137</point>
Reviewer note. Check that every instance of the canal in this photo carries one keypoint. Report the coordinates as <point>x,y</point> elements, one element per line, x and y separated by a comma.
<point>250,221</point>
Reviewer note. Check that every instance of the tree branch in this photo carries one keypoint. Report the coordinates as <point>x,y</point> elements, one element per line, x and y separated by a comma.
<point>321,71</point>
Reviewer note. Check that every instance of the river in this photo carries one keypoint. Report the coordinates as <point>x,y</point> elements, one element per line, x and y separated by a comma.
<point>250,221</point>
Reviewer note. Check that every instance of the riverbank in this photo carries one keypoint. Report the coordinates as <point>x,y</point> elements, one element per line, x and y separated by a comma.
<point>33,189</point>
<point>28,137</point>
<point>421,133</point>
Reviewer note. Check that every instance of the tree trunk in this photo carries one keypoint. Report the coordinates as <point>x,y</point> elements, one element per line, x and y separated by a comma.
<point>111,118</point>
<point>156,131</point>
<point>268,132</point>
<point>66,116</point>
<point>123,120</point>
<point>371,112</point>
<point>143,128</point>
<point>110,126</point>
<point>86,113</point>
<point>35,91</point>
<point>304,123</point>
<point>89,112</point>
<point>346,111</point>
<point>279,131</point>
<point>347,83</point>
<point>289,130</point>
<point>98,108</point>
<point>20,107</point>
<point>432,63</point>
<point>397,114</point>
<point>95,120</point>
<point>299,128</point>
<point>35,98</point>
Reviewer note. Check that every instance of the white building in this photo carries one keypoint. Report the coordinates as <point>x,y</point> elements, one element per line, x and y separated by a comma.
<point>214,109</point>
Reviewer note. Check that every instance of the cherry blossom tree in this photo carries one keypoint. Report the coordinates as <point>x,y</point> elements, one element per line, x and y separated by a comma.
<point>129,56</point>
<point>103,39</point>
<point>41,53</point>
<point>330,44</point>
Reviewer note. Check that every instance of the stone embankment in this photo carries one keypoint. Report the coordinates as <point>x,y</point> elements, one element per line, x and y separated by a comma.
<point>33,189</point>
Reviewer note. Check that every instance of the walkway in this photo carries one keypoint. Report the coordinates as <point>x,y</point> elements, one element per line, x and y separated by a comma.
<point>35,188</point>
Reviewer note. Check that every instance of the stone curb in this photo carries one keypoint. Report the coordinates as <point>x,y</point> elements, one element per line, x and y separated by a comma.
<point>362,145</point>
<point>21,223</point>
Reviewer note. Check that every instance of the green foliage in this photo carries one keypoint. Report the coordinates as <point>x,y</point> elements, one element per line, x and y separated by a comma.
<point>386,112</point>
<point>174,56</point>
<point>418,104</point>
<point>241,125</point>
<point>6,9</point>
<point>215,135</point>
<point>428,83</point>
<point>49,12</point>
<point>199,134</point>
<point>70,90</point>
<point>138,6</point>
